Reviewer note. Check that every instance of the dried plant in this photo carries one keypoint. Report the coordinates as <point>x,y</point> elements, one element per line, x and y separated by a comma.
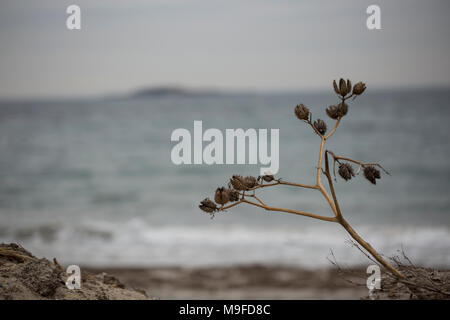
<point>243,190</point>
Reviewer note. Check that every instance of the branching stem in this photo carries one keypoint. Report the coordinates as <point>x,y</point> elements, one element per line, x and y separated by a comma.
<point>332,200</point>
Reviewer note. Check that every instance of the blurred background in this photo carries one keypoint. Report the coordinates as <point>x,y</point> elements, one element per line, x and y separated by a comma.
<point>85,168</point>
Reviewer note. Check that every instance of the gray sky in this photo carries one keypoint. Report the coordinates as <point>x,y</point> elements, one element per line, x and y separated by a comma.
<point>230,44</point>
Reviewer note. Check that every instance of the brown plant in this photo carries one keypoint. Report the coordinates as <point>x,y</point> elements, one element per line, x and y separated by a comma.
<point>246,187</point>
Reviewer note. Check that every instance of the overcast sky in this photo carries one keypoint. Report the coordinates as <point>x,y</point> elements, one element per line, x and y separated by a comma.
<point>230,44</point>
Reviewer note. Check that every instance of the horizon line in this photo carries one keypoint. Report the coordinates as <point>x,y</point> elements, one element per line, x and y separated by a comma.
<point>181,90</point>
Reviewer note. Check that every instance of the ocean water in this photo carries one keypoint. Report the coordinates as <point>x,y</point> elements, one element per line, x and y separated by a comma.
<point>91,181</point>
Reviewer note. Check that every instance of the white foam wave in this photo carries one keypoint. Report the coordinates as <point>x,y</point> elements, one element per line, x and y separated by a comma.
<point>135,243</point>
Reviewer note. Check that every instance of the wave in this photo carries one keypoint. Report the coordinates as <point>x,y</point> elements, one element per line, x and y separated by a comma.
<point>136,243</point>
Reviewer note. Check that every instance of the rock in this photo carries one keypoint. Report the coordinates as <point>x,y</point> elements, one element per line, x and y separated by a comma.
<point>23,276</point>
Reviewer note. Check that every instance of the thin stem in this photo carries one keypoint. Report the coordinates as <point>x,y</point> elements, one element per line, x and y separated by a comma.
<point>338,120</point>
<point>334,128</point>
<point>328,199</point>
<point>330,184</point>
<point>361,164</point>
<point>319,163</point>
<point>231,205</point>
<point>258,199</point>
<point>299,185</point>
<point>314,128</point>
<point>346,98</point>
<point>319,183</point>
<point>301,213</point>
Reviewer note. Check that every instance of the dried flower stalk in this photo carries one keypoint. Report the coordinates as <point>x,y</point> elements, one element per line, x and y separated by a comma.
<point>240,190</point>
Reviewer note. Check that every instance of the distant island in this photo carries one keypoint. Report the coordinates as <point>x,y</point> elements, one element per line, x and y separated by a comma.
<point>173,91</point>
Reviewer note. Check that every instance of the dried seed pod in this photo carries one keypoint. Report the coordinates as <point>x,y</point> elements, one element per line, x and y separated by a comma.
<point>371,174</point>
<point>208,206</point>
<point>302,112</point>
<point>250,182</point>
<point>233,195</point>
<point>359,88</point>
<point>221,196</point>
<point>238,182</point>
<point>342,109</point>
<point>335,87</point>
<point>349,86</point>
<point>342,87</point>
<point>332,112</point>
<point>320,126</point>
<point>268,177</point>
<point>346,171</point>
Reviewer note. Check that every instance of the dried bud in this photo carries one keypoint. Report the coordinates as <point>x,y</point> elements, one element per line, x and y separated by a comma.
<point>342,109</point>
<point>346,171</point>
<point>335,87</point>
<point>302,112</point>
<point>371,174</point>
<point>349,86</point>
<point>221,196</point>
<point>332,112</point>
<point>238,182</point>
<point>359,88</point>
<point>208,206</point>
<point>250,182</point>
<point>320,126</point>
<point>233,195</point>
<point>268,177</point>
<point>342,87</point>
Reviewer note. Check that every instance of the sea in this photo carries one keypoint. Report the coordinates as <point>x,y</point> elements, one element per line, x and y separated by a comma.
<point>91,181</point>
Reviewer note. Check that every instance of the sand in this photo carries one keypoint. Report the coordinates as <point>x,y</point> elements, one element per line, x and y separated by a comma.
<point>239,282</point>
<point>23,276</point>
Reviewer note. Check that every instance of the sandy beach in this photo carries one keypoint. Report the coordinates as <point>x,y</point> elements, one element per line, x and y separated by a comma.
<point>240,282</point>
<point>26,277</point>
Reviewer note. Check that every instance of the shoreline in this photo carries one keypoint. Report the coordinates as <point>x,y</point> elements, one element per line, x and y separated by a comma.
<point>26,277</point>
<point>254,281</point>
